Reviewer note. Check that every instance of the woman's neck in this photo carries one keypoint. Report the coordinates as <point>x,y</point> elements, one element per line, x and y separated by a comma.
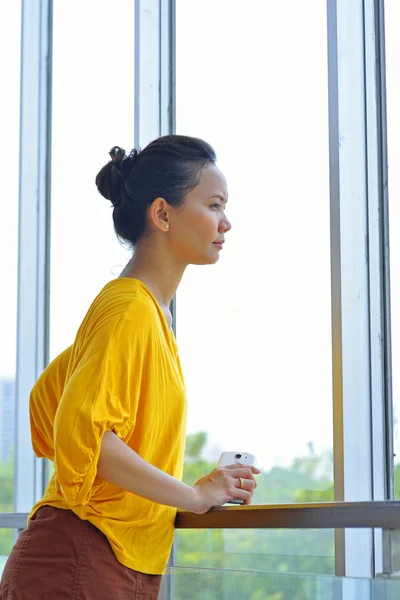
<point>156,270</point>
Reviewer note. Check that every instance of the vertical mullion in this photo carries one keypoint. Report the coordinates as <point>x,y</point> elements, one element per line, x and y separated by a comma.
<point>360,284</point>
<point>147,72</point>
<point>384,206</point>
<point>385,466</point>
<point>33,237</point>
<point>44,229</point>
<point>154,99</point>
<point>167,67</point>
<point>379,281</point>
<point>351,354</point>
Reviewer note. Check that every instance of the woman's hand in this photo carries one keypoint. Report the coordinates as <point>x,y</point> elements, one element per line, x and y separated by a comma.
<point>224,484</point>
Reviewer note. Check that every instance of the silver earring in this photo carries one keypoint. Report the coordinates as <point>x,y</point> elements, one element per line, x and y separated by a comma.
<point>167,226</point>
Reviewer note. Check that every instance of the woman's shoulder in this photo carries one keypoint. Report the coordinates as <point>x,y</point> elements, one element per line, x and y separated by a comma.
<point>120,299</point>
<point>127,297</point>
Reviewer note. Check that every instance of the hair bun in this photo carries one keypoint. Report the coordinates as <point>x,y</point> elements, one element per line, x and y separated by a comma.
<point>121,160</point>
<point>110,180</point>
<point>117,155</point>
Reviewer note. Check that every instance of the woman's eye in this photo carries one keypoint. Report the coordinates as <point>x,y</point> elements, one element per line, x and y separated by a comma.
<point>215,206</point>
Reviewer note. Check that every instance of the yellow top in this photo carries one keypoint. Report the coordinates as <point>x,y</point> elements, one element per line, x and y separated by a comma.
<point>122,374</point>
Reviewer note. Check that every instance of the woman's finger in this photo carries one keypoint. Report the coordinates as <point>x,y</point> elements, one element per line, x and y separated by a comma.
<point>244,472</point>
<point>235,466</point>
<point>243,495</point>
<point>245,484</point>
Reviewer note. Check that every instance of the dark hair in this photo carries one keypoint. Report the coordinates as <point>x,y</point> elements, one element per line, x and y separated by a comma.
<point>169,167</point>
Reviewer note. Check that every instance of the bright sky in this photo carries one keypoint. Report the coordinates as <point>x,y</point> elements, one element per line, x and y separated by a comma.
<point>254,330</point>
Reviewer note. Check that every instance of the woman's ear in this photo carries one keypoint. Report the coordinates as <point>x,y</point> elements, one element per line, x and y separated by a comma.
<point>159,214</point>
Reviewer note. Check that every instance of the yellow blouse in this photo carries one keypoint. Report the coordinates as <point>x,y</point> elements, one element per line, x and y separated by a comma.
<point>122,374</point>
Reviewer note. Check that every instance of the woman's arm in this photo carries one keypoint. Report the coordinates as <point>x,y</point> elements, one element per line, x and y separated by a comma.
<point>121,466</point>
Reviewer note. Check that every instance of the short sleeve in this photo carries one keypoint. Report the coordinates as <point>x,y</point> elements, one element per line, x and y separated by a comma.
<point>43,403</point>
<point>102,393</point>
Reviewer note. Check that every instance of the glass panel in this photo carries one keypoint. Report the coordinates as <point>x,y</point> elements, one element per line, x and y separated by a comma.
<point>254,331</point>
<point>198,584</point>
<point>392,23</point>
<point>93,110</point>
<point>255,549</point>
<point>10,41</point>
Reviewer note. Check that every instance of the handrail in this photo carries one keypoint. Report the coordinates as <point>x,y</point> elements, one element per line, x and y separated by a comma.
<point>324,515</point>
<point>13,520</point>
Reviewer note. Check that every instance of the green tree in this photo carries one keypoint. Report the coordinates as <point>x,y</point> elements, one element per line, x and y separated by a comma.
<point>397,481</point>
<point>6,504</point>
<point>7,486</point>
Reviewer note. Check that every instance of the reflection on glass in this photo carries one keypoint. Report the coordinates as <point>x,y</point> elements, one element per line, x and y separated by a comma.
<point>254,330</point>
<point>392,22</point>
<point>93,94</point>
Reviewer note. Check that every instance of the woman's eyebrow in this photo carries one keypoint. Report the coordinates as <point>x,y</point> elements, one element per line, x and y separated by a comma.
<point>220,197</point>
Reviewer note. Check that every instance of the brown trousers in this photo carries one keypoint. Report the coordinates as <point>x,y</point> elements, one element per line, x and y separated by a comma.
<point>61,557</point>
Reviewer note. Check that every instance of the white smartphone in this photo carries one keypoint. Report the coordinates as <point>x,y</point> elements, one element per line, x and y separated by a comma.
<point>242,458</point>
<point>230,458</point>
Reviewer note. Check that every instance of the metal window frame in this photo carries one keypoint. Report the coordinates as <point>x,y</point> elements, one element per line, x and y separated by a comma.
<point>34,237</point>
<point>155,27</point>
<point>155,104</point>
<point>385,265</point>
<point>360,310</point>
<point>154,70</point>
<point>379,270</point>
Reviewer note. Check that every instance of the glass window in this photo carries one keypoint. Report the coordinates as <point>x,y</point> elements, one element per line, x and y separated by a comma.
<point>10,41</point>
<point>254,331</point>
<point>392,22</point>
<point>93,110</point>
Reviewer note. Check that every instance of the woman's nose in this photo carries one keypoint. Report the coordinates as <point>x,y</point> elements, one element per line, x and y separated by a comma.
<point>224,225</point>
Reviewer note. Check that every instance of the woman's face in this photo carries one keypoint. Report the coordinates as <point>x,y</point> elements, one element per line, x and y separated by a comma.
<point>198,227</point>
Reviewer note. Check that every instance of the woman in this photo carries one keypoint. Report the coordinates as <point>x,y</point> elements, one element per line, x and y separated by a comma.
<point>110,411</point>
